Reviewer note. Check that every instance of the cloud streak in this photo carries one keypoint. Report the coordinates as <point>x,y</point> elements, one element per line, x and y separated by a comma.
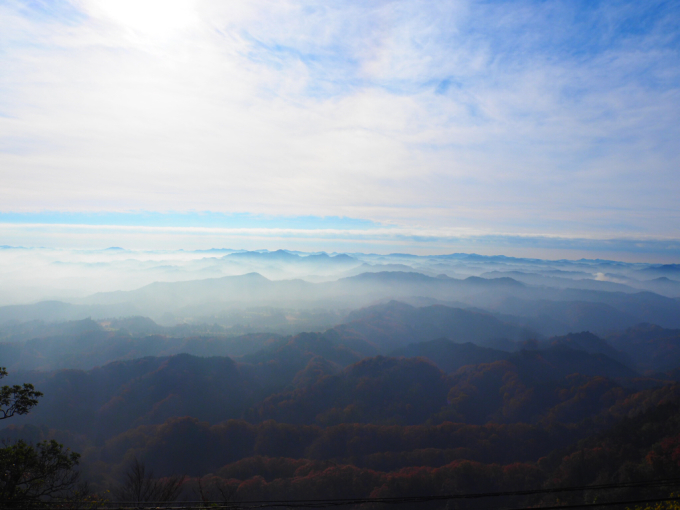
<point>338,234</point>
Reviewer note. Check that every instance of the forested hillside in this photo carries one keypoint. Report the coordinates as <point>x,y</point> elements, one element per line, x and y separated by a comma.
<point>396,400</point>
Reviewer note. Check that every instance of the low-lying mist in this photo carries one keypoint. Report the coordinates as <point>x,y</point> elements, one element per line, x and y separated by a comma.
<point>238,292</point>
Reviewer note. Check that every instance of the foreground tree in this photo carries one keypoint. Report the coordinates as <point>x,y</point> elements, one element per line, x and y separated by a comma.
<point>30,476</point>
<point>16,399</point>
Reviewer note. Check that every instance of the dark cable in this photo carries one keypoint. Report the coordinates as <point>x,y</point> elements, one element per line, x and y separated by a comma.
<point>321,503</point>
<point>392,501</point>
<point>438,498</point>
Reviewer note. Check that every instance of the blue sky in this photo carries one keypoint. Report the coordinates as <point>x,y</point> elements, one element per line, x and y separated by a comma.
<point>531,127</point>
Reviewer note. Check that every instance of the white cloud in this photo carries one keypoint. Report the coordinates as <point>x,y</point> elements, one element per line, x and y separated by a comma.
<point>496,118</point>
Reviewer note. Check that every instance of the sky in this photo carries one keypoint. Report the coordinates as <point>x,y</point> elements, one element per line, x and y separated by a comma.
<point>526,128</point>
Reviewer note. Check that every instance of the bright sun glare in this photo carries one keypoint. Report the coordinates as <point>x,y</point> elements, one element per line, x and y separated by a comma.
<point>154,18</point>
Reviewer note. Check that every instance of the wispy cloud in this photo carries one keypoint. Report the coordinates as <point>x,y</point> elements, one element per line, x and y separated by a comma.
<point>531,118</point>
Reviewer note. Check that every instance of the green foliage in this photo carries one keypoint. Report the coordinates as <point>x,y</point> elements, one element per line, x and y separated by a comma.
<point>29,475</point>
<point>16,399</point>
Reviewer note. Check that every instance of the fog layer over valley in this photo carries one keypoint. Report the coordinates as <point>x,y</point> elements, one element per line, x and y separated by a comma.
<point>271,374</point>
<point>287,292</point>
<point>34,274</point>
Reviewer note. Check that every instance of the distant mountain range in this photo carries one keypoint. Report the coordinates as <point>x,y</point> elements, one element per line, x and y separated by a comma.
<point>547,310</point>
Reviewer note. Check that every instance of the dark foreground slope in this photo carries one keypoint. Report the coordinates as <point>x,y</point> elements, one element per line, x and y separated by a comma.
<point>365,452</point>
<point>319,410</point>
<point>315,379</point>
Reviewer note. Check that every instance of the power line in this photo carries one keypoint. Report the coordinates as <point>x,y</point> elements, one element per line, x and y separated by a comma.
<point>323,503</point>
<point>293,504</point>
<point>632,485</point>
<point>435,498</point>
<point>426,499</point>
